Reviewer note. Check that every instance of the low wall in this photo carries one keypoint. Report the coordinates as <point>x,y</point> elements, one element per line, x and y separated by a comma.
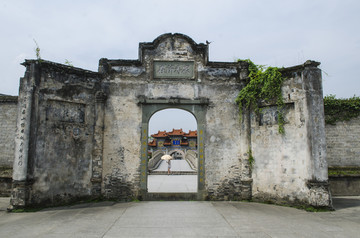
<point>343,156</point>
<point>344,181</point>
<point>154,161</point>
<point>343,144</point>
<point>191,157</point>
<point>8,112</point>
<point>345,185</point>
<point>5,181</point>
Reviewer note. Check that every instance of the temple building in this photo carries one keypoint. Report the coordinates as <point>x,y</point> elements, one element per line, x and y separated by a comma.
<point>176,139</point>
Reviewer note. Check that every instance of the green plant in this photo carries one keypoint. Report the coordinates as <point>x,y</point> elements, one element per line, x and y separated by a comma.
<point>69,63</point>
<point>251,158</point>
<point>37,51</point>
<point>340,109</point>
<point>344,171</point>
<point>264,87</point>
<point>21,210</point>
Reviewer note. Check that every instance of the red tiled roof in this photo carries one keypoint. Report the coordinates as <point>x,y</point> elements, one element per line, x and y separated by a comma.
<point>160,134</point>
<point>191,133</point>
<point>152,143</point>
<point>176,132</point>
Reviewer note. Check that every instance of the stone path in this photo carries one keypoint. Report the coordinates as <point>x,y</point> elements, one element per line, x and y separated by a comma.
<point>176,165</point>
<point>172,183</point>
<point>183,219</point>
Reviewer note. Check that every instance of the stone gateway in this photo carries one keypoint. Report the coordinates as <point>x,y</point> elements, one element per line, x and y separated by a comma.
<point>83,134</point>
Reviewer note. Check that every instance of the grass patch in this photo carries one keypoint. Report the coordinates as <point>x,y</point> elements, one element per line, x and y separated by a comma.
<point>21,210</point>
<point>344,171</point>
<point>307,208</point>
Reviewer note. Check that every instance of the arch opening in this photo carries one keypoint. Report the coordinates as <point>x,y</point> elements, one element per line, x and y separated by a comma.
<point>172,132</point>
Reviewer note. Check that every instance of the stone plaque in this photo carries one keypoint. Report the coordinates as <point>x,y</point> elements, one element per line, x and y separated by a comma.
<point>174,69</point>
<point>65,111</point>
<point>269,115</point>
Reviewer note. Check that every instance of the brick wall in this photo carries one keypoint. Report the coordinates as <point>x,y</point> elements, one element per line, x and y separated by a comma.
<point>8,111</point>
<point>343,143</point>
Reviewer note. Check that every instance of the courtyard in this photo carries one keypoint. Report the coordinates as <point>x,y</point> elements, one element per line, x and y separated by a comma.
<point>182,219</point>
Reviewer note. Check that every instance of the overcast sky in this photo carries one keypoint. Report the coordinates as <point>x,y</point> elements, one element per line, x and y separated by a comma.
<point>170,119</point>
<point>274,33</point>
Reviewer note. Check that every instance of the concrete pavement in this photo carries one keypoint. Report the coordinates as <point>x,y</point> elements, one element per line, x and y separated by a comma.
<point>176,165</point>
<point>183,219</point>
<point>161,183</point>
<point>172,183</point>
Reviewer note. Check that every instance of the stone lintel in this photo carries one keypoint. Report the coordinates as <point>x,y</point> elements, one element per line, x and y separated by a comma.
<point>199,101</point>
<point>96,180</point>
<point>62,68</point>
<point>247,181</point>
<point>298,68</point>
<point>316,184</point>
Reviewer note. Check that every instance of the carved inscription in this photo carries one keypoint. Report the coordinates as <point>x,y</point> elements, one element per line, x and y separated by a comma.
<point>65,112</point>
<point>174,69</point>
<point>23,116</point>
<point>269,115</point>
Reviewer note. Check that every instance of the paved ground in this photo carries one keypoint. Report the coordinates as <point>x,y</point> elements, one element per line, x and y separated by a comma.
<point>176,165</point>
<point>183,219</point>
<point>172,183</point>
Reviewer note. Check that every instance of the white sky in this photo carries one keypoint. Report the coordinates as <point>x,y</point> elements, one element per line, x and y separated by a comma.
<point>277,33</point>
<point>169,119</point>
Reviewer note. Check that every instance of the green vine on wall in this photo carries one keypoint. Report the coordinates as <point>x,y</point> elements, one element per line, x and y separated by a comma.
<point>264,87</point>
<point>340,109</point>
<point>251,159</point>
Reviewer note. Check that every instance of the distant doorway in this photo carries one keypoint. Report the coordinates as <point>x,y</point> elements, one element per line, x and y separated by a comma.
<point>197,108</point>
<point>172,132</point>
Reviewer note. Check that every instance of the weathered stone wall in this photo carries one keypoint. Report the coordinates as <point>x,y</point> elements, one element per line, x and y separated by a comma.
<point>61,135</point>
<point>292,167</point>
<point>84,134</point>
<point>345,185</point>
<point>343,144</point>
<point>8,113</point>
<point>343,155</point>
<point>130,80</point>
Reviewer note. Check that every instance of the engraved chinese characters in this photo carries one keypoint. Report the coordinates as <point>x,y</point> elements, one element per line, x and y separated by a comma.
<point>174,69</point>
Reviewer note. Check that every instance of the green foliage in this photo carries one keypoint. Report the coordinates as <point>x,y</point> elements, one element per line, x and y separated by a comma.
<point>251,158</point>
<point>307,208</point>
<point>264,87</point>
<point>69,63</point>
<point>21,210</point>
<point>314,209</point>
<point>340,109</point>
<point>37,51</point>
<point>344,171</point>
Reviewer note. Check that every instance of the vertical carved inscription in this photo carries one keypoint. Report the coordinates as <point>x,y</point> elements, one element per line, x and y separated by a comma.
<point>22,135</point>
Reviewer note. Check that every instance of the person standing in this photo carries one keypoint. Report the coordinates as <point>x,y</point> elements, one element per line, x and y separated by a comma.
<point>169,166</point>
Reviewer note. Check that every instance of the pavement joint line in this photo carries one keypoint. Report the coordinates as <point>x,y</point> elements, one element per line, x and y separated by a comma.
<point>116,220</point>
<point>222,215</point>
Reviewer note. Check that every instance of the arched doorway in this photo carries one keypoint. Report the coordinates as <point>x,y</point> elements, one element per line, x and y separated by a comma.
<point>198,109</point>
<point>172,132</point>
